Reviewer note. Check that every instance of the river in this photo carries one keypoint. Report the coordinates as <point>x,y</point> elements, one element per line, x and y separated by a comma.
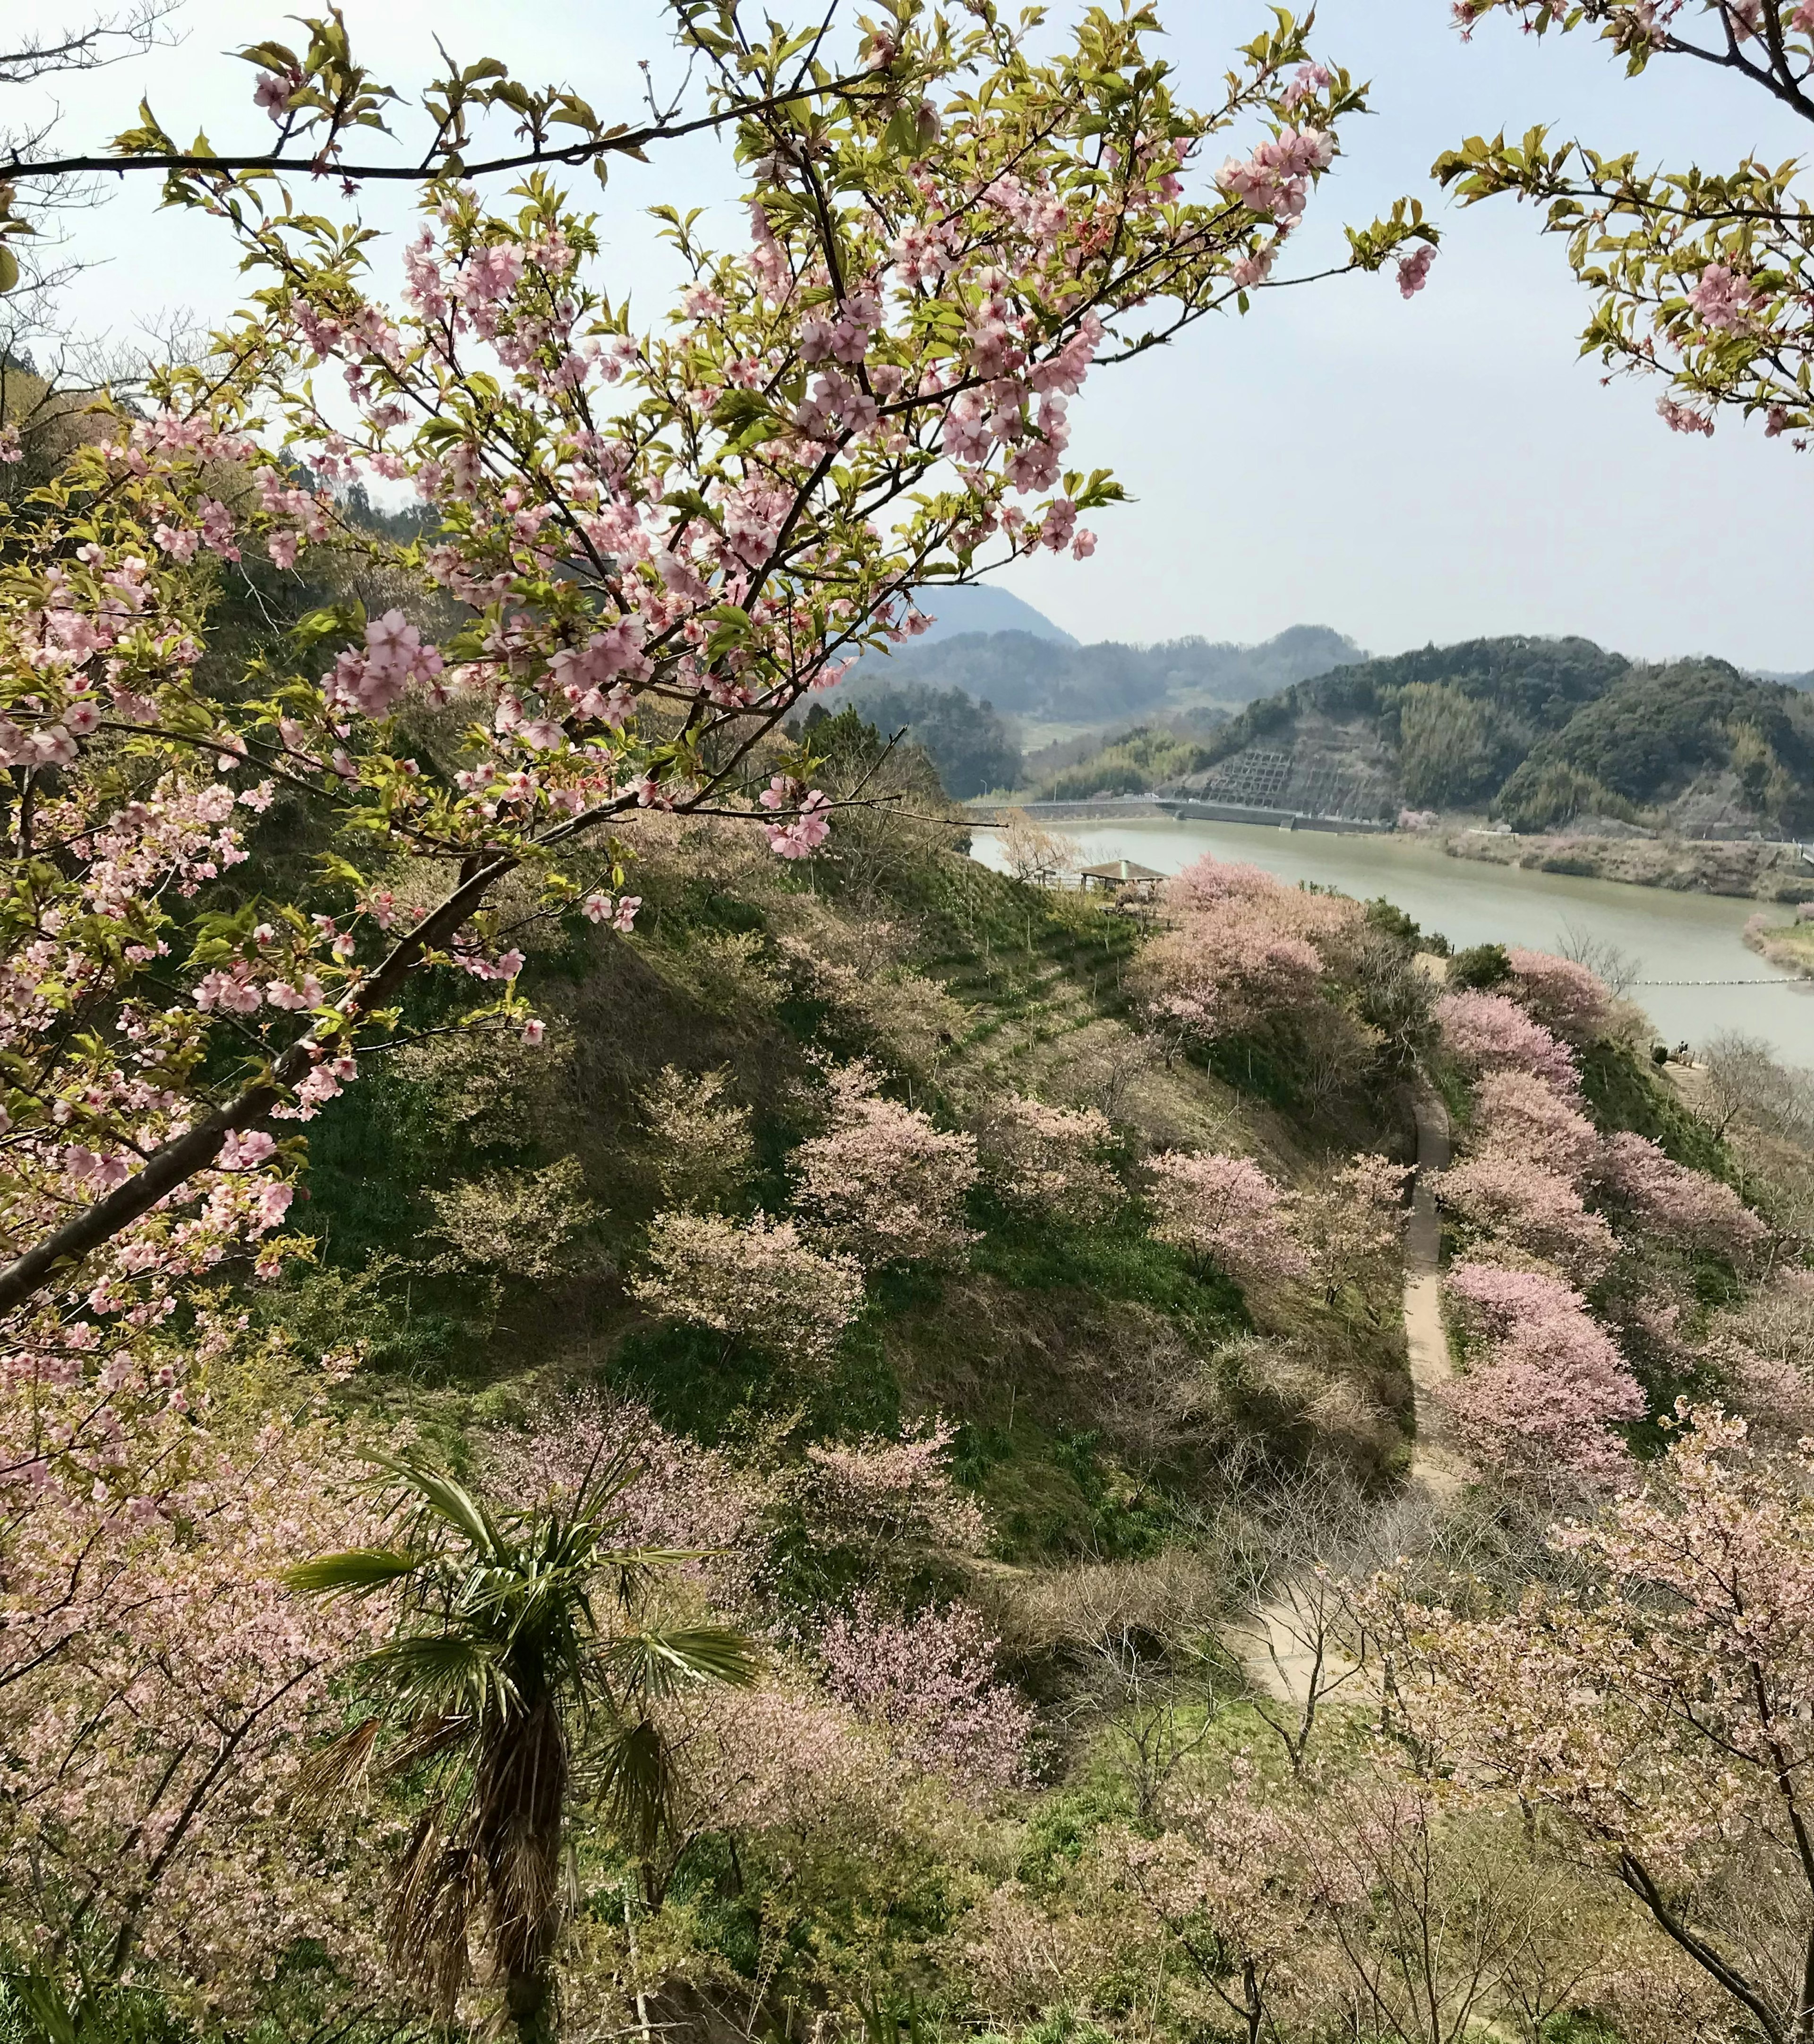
<point>1689,947</point>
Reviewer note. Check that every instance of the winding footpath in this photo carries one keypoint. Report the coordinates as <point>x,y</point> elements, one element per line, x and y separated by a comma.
<point>1284,1649</point>
<point>1435,1463</point>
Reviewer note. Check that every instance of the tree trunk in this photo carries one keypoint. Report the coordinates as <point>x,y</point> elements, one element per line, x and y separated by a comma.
<point>529,2002</point>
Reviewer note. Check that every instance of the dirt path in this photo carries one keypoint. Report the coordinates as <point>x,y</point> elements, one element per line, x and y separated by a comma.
<point>1285,1648</point>
<point>1435,1462</point>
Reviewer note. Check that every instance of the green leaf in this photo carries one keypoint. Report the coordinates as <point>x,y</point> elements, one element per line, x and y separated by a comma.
<point>351,1571</point>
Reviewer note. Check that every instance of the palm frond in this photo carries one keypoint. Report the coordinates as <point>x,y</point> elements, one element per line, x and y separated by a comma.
<point>342,1768</point>
<point>448,1501</point>
<point>352,1572</point>
<point>636,1768</point>
<point>439,1882</point>
<point>443,1674</point>
<point>657,1661</point>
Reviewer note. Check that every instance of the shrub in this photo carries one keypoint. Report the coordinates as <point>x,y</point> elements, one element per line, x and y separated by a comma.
<point>1480,967</point>
<point>882,1181</point>
<point>1488,1032</point>
<point>754,1280</point>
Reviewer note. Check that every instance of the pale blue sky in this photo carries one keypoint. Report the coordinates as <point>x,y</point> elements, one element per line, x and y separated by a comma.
<point>1403,472</point>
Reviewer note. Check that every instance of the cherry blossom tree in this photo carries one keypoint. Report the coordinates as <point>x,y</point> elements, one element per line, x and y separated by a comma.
<point>1699,275</point>
<point>1227,1209</point>
<point>1661,1717</point>
<point>1246,948</point>
<point>930,1682</point>
<point>661,544</point>
<point>881,1493</point>
<point>1518,1115</point>
<point>1049,1159</point>
<point>161,1688</point>
<point>1351,1221</point>
<point>1491,1032</point>
<point>700,1134</point>
<point>883,1183</point>
<point>754,1280</point>
<point>1504,1197</point>
<point>1677,1203</point>
<point>1225,1882</point>
<point>1545,1386</point>
<point>1563,995</point>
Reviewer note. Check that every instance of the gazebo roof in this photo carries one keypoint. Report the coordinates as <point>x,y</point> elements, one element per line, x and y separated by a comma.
<point>1121,869</point>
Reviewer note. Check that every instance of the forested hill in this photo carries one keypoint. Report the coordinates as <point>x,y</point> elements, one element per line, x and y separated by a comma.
<point>1030,676</point>
<point>1536,731</point>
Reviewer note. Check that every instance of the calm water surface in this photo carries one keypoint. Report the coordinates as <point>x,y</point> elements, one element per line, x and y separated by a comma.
<point>1693,938</point>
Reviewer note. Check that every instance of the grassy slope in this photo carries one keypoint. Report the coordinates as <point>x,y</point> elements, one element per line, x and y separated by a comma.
<point>1098,1380</point>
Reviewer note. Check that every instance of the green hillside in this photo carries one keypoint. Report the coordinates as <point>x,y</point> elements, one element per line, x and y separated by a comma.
<point>1541,732</point>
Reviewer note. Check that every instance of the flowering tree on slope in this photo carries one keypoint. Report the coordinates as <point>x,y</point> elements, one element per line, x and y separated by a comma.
<point>1702,277</point>
<point>1663,1719</point>
<point>659,544</point>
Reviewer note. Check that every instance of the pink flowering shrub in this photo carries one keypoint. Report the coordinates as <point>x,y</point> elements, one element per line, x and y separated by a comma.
<point>1566,997</point>
<point>1503,1196</point>
<point>1520,1116</point>
<point>1680,1204</point>
<point>1540,1400</point>
<point>1050,1159</point>
<point>753,1280</point>
<point>680,1495</point>
<point>161,1688</point>
<point>930,1683</point>
<point>1491,1032</point>
<point>1351,1223</point>
<point>877,1492</point>
<point>1226,1208</point>
<point>1246,947</point>
<point>882,1182</point>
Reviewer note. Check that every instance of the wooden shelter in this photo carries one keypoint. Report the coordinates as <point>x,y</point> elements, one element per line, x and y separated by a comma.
<point>1118,875</point>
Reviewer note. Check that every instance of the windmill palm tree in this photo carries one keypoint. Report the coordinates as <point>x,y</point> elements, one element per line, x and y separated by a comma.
<point>506,1679</point>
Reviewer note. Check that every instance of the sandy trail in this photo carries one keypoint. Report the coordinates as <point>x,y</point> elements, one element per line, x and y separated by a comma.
<point>1285,1647</point>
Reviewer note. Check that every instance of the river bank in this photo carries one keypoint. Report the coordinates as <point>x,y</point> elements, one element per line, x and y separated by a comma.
<point>1789,946</point>
<point>1743,867</point>
<point>1686,949</point>
<point>1739,868</point>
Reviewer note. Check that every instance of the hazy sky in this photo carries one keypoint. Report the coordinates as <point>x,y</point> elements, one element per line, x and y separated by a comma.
<point>1403,472</point>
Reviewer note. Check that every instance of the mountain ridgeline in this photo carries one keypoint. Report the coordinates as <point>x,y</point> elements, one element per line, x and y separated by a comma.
<point>1026,675</point>
<point>1538,732</point>
<point>968,698</point>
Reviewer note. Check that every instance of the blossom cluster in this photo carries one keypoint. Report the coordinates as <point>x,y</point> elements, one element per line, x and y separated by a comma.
<point>1246,948</point>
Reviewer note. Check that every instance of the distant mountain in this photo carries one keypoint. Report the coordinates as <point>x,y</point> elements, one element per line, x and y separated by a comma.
<point>980,608</point>
<point>1539,732</point>
<point>973,749</point>
<point>1025,675</point>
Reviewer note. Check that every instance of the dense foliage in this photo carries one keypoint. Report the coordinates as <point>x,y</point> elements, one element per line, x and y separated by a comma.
<point>1536,731</point>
